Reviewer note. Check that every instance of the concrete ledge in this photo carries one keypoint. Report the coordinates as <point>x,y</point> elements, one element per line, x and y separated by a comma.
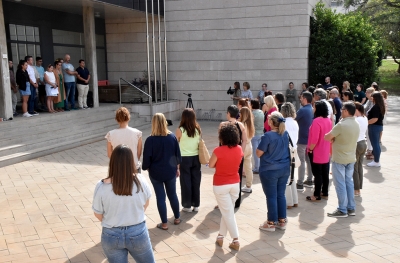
<point>172,109</point>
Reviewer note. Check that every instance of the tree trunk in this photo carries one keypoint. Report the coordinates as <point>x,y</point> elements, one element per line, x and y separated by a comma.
<point>398,63</point>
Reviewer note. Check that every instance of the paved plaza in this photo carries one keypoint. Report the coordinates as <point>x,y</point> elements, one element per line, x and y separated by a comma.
<point>46,215</point>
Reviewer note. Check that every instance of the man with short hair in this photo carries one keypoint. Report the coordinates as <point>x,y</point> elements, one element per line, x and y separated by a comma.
<point>327,83</point>
<point>82,84</point>
<point>42,91</point>
<point>69,80</point>
<point>14,89</point>
<point>334,95</point>
<point>304,118</point>
<point>320,95</point>
<point>344,138</point>
<point>33,85</point>
<point>261,94</point>
<point>231,114</point>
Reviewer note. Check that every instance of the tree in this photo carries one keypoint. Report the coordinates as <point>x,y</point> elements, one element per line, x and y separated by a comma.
<point>342,46</point>
<point>385,16</point>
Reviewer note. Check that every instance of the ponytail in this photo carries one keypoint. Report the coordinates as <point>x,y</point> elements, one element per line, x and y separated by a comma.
<point>278,122</point>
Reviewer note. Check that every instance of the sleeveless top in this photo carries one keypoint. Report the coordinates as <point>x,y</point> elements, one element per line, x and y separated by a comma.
<point>189,145</point>
<point>51,77</point>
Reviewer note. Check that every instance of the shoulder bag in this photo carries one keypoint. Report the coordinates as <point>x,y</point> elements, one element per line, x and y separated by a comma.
<point>204,155</point>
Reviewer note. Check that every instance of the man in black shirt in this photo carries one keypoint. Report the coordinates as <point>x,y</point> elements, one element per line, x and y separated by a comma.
<point>82,84</point>
<point>327,83</point>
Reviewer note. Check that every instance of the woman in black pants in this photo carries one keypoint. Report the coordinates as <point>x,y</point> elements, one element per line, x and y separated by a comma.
<point>188,135</point>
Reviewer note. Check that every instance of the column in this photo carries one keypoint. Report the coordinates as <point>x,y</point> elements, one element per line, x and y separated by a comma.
<point>90,50</point>
<point>5,88</point>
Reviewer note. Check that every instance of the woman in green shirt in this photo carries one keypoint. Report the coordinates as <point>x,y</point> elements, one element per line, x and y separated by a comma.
<point>188,135</point>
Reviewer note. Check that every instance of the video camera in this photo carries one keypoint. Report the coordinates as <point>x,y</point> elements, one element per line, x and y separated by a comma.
<point>189,94</point>
<point>230,91</point>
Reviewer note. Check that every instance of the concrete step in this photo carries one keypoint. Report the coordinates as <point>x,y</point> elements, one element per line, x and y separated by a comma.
<point>26,138</point>
<point>51,137</point>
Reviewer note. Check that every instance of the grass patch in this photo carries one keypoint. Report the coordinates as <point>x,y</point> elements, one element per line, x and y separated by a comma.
<point>389,78</point>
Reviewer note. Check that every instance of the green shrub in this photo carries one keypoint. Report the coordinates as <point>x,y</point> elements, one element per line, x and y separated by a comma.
<point>342,46</point>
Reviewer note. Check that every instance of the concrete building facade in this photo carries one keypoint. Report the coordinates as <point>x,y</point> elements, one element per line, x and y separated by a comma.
<point>210,44</point>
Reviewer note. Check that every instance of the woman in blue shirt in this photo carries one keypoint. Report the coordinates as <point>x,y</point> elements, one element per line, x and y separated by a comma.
<point>273,151</point>
<point>162,157</point>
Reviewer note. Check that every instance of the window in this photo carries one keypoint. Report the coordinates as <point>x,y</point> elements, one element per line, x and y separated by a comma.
<point>25,40</point>
<point>73,43</point>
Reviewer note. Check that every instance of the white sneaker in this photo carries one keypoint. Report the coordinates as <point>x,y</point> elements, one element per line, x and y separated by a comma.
<point>26,114</point>
<point>246,189</point>
<point>188,210</point>
<point>373,164</point>
<point>195,209</point>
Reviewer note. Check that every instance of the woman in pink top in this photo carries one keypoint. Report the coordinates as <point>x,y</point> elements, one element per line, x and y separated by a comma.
<point>268,108</point>
<point>318,150</point>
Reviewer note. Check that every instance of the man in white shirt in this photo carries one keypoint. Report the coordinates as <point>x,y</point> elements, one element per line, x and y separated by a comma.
<point>320,95</point>
<point>33,86</point>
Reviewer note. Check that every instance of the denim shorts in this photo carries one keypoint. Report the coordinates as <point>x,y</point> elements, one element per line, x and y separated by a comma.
<point>26,92</point>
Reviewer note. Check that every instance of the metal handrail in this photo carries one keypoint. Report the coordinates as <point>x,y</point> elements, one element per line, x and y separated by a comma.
<point>130,84</point>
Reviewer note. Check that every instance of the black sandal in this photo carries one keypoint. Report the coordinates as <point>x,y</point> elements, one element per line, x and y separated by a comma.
<point>309,198</point>
<point>160,226</point>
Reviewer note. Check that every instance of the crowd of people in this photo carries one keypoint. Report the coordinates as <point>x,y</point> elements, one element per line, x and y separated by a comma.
<point>328,131</point>
<point>50,89</point>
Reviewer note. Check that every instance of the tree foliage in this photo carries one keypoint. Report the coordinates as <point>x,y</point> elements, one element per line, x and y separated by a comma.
<point>385,16</point>
<point>342,46</point>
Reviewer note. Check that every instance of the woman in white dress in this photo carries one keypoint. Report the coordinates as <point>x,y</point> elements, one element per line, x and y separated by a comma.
<point>51,87</point>
<point>125,135</point>
<point>289,113</point>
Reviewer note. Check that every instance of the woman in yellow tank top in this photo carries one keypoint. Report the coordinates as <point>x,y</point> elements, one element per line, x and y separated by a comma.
<point>188,135</point>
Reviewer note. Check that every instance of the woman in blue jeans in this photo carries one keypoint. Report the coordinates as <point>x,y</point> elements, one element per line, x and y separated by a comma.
<point>119,202</point>
<point>162,157</point>
<point>273,151</point>
<point>259,131</point>
<point>375,126</point>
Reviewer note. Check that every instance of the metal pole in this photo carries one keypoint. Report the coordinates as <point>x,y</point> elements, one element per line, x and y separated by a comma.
<point>165,54</point>
<point>148,55</point>
<point>159,49</point>
<point>119,85</point>
<point>154,51</point>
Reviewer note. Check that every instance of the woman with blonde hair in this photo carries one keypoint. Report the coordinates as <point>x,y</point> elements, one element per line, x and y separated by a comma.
<point>289,113</point>
<point>162,158</point>
<point>125,135</point>
<point>268,108</point>
<point>273,151</point>
<point>188,134</point>
<point>246,118</point>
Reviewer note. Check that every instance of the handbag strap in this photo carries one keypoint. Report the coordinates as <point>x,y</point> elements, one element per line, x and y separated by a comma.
<point>291,163</point>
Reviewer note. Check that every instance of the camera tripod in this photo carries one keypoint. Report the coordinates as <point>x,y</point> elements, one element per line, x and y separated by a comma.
<point>189,103</point>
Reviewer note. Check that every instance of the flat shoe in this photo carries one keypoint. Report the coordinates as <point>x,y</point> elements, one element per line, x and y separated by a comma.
<point>177,221</point>
<point>308,198</point>
<point>161,227</point>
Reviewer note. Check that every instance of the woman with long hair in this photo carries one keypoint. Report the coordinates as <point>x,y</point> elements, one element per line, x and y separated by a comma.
<point>319,151</point>
<point>226,160</point>
<point>247,119</point>
<point>188,134</point>
<point>59,100</point>
<point>162,158</point>
<point>361,148</point>
<point>125,135</point>
<point>237,95</point>
<point>289,113</point>
<point>367,106</point>
<point>268,108</point>
<point>258,117</point>
<point>119,202</point>
<point>22,79</point>
<point>273,151</point>
<point>375,126</point>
